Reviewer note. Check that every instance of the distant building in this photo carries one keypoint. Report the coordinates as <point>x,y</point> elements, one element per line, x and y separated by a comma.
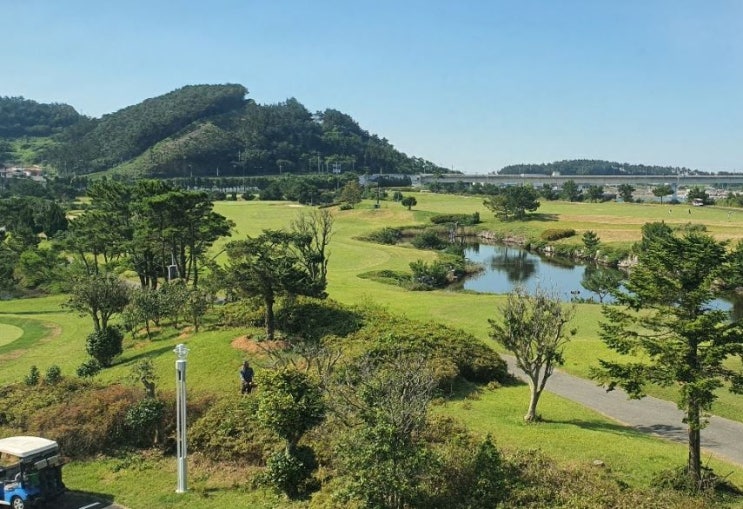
<point>32,172</point>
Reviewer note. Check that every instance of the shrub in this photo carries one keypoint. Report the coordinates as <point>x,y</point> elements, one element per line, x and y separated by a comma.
<point>241,313</point>
<point>557,233</point>
<point>536,481</point>
<point>346,206</point>
<point>386,334</point>
<point>290,474</point>
<point>690,228</point>
<point>143,421</point>
<point>428,239</point>
<point>460,219</point>
<point>33,376</point>
<point>386,235</point>
<point>89,423</point>
<point>311,319</point>
<point>89,368</point>
<point>230,430</point>
<point>248,196</point>
<point>105,344</point>
<point>464,479</point>
<point>428,276</point>
<point>53,375</point>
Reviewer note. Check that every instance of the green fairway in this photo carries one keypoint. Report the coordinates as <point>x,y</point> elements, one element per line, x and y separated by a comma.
<point>9,333</point>
<point>53,335</point>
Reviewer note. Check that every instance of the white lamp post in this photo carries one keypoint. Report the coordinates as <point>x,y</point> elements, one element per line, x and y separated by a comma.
<point>180,404</point>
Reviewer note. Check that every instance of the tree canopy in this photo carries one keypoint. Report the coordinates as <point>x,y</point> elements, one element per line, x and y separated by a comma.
<point>664,322</point>
<point>24,117</point>
<point>513,202</point>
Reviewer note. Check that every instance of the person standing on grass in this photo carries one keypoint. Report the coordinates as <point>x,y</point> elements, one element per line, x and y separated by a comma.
<point>246,377</point>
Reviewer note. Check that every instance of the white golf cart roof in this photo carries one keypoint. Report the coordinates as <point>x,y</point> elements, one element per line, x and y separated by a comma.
<point>23,446</point>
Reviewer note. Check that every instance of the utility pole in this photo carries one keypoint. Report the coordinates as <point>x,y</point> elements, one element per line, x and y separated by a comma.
<point>180,404</point>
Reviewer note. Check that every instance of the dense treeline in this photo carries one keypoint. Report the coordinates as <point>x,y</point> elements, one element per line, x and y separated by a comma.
<point>591,167</point>
<point>23,117</point>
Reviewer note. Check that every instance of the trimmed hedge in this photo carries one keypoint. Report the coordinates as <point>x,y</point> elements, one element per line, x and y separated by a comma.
<point>557,233</point>
<point>461,219</point>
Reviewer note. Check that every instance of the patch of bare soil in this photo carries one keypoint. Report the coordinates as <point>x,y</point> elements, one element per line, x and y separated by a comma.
<point>250,345</point>
<point>186,333</point>
<point>12,355</point>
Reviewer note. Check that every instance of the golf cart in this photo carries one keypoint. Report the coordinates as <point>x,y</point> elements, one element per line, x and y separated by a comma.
<point>30,471</point>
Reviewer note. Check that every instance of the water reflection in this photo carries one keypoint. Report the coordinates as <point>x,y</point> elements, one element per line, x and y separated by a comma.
<point>507,266</point>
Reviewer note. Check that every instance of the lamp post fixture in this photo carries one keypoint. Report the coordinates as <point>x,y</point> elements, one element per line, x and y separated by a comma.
<point>180,403</point>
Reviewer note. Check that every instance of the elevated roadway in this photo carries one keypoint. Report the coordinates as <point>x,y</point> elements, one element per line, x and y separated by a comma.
<point>719,181</point>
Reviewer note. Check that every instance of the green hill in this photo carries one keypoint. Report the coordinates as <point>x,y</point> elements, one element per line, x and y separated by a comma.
<point>207,130</point>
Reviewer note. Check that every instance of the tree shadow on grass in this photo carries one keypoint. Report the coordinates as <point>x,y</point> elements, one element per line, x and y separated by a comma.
<point>538,216</point>
<point>123,361</point>
<point>462,390</point>
<point>37,312</point>
<point>674,433</point>
<point>76,499</point>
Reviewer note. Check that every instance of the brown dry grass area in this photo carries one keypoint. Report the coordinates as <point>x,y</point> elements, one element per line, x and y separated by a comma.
<point>247,344</point>
<point>12,355</point>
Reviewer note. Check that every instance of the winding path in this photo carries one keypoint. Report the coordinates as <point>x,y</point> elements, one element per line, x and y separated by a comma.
<point>723,438</point>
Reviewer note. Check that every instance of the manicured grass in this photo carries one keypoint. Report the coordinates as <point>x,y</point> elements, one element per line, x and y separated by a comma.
<point>53,335</point>
<point>9,333</point>
<point>572,433</point>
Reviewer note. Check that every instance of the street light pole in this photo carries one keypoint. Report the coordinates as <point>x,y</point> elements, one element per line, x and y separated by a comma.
<point>180,403</point>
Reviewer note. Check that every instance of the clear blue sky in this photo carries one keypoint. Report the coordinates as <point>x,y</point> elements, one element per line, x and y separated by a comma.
<point>473,85</point>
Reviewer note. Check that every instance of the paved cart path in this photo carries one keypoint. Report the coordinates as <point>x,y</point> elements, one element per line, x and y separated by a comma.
<point>722,437</point>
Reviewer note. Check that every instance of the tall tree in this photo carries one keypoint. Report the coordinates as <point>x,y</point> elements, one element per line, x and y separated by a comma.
<point>513,202</point>
<point>595,193</point>
<point>317,228</point>
<point>185,226</point>
<point>269,266</point>
<point>662,190</point>
<point>533,330</point>
<point>664,322</point>
<point>698,193</point>
<point>601,281</point>
<point>571,191</point>
<point>100,296</point>
<point>385,456</point>
<point>625,192</point>
<point>409,202</point>
<point>591,242</point>
<point>351,193</point>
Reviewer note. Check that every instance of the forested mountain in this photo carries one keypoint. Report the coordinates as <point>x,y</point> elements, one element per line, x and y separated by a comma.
<point>24,117</point>
<point>590,167</point>
<point>208,130</point>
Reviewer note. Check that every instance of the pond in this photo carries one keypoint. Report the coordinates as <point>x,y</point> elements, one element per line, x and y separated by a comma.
<point>506,267</point>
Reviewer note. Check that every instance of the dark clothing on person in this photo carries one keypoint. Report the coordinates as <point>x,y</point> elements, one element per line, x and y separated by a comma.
<point>246,376</point>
